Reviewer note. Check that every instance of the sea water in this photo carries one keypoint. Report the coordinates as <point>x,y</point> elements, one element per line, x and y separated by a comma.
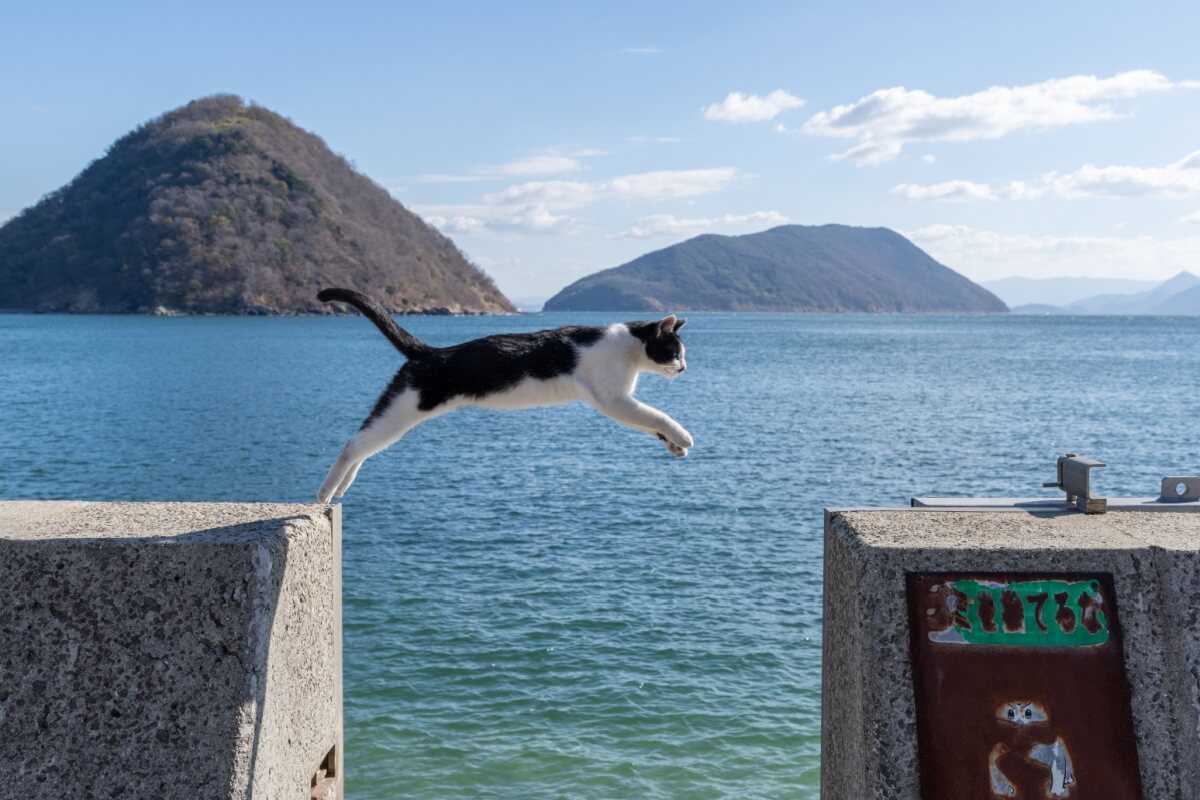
<point>545,604</point>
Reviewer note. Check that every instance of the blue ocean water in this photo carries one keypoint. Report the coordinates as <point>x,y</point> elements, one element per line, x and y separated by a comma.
<point>544,604</point>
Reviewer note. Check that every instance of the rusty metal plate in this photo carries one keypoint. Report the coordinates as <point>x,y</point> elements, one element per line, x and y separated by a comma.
<point>1020,687</point>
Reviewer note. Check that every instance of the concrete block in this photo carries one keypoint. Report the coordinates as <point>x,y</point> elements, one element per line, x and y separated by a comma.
<point>1175,545</point>
<point>869,730</point>
<point>163,650</point>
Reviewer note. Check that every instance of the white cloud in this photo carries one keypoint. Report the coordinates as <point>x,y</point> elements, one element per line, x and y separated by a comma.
<point>641,51</point>
<point>1178,179</point>
<point>963,191</point>
<point>536,207</point>
<point>659,185</point>
<point>1020,190</point>
<point>474,219</point>
<point>884,121</point>
<point>947,192</point>
<point>670,225</point>
<point>547,162</point>
<point>738,107</point>
<point>929,158</point>
<point>1192,218</point>
<point>988,255</point>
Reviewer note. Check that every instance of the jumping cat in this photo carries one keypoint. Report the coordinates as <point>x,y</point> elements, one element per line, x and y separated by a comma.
<point>509,371</point>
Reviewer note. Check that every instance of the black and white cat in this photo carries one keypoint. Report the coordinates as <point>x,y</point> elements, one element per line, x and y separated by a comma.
<point>509,371</point>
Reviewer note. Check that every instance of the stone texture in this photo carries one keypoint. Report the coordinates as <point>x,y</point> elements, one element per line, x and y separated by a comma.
<point>1176,552</point>
<point>869,747</point>
<point>161,650</point>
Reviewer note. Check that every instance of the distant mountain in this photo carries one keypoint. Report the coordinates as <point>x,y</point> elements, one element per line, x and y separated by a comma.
<point>1019,291</point>
<point>1178,296</point>
<point>225,207</point>
<point>1148,302</point>
<point>1185,303</point>
<point>789,268</point>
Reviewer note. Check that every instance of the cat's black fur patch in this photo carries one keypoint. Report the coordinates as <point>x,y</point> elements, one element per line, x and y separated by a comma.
<point>663,348</point>
<point>487,366</point>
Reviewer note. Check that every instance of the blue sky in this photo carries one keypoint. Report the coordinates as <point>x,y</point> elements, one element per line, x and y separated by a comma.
<point>554,139</point>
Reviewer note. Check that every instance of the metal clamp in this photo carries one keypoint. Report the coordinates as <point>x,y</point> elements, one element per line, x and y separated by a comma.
<point>1074,478</point>
<point>1180,489</point>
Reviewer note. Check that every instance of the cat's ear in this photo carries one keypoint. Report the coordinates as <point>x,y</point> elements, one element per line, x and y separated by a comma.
<point>667,325</point>
<point>679,324</point>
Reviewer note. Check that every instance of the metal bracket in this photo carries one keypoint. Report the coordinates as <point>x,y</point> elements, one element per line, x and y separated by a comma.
<point>1074,478</point>
<point>1180,489</point>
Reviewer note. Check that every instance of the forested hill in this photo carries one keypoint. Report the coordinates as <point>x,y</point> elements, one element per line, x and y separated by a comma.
<point>789,268</point>
<point>224,207</point>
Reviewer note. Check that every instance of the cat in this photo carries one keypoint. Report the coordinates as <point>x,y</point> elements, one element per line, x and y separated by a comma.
<point>510,371</point>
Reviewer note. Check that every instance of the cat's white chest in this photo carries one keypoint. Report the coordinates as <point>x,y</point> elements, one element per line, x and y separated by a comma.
<point>533,392</point>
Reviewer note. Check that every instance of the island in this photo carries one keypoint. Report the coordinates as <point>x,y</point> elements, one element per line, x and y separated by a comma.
<point>829,268</point>
<point>226,207</point>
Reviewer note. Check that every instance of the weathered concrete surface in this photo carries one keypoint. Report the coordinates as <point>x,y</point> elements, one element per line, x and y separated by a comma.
<point>163,650</point>
<point>869,739</point>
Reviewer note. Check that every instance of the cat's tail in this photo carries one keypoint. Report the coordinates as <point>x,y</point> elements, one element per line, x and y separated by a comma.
<point>404,341</point>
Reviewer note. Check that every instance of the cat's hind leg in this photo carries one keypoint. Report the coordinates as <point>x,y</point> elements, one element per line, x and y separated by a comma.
<point>358,449</point>
<point>349,479</point>
<point>400,417</point>
<point>347,461</point>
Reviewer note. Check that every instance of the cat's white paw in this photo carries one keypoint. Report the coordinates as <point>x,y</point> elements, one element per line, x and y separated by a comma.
<point>676,450</point>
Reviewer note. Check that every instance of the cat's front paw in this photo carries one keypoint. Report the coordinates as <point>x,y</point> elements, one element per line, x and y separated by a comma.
<point>676,450</point>
<point>683,440</point>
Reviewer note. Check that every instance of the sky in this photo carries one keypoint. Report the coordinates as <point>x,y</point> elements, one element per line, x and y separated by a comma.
<point>551,140</point>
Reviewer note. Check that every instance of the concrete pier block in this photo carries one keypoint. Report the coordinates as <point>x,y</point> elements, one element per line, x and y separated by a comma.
<point>170,650</point>
<point>870,718</point>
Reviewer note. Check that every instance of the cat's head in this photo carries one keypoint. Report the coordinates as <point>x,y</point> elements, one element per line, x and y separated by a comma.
<point>664,351</point>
